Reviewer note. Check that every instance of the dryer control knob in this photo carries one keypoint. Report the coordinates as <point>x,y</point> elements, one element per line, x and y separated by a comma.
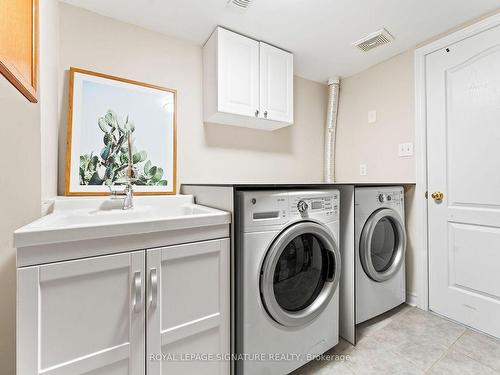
<point>381,198</point>
<point>302,206</point>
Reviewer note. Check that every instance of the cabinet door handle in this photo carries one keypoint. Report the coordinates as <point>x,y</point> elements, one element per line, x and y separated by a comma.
<point>137,293</point>
<point>153,290</point>
<point>257,113</point>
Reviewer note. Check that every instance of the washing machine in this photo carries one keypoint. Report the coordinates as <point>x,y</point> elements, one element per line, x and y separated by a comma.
<point>380,250</point>
<point>287,275</point>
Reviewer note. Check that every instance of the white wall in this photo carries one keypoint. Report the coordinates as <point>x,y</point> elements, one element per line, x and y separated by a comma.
<point>206,152</point>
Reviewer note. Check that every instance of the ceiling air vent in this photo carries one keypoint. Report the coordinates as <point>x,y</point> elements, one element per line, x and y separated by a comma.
<point>376,39</point>
<point>239,4</point>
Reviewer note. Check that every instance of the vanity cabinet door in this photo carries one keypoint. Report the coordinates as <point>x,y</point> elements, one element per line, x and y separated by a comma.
<point>82,317</point>
<point>276,84</point>
<point>187,304</point>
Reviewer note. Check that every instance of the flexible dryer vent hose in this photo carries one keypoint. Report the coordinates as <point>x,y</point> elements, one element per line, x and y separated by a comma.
<point>331,129</point>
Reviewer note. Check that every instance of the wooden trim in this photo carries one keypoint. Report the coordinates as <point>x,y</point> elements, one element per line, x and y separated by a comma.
<point>68,134</point>
<point>25,85</point>
<point>72,72</point>
<point>35,50</point>
<point>422,244</point>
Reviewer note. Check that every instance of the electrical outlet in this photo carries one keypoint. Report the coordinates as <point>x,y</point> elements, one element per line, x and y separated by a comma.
<point>405,149</point>
<point>372,116</point>
<point>363,170</point>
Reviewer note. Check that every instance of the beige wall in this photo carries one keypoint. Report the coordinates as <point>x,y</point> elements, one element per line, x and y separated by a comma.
<point>49,106</point>
<point>388,89</point>
<point>206,152</point>
<point>29,146</point>
<point>20,196</point>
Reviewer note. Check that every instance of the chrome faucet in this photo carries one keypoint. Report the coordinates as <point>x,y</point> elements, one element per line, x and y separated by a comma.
<point>126,194</point>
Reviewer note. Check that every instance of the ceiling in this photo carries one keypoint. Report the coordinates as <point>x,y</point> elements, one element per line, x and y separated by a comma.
<point>318,32</point>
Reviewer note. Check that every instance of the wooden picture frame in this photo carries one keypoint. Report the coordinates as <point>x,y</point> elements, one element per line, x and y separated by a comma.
<point>90,171</point>
<point>19,45</point>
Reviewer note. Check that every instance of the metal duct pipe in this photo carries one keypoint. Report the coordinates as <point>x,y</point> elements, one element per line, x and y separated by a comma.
<point>331,129</point>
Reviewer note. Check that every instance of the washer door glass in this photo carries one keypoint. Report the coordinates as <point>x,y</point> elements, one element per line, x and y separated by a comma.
<point>383,244</point>
<point>300,273</point>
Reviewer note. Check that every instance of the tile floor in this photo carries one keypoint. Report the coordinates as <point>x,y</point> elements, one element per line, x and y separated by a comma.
<point>407,340</point>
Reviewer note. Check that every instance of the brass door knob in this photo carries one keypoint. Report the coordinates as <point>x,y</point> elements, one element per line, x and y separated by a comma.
<point>437,196</point>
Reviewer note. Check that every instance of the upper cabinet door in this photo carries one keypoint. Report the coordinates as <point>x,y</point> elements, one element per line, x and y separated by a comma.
<point>276,84</point>
<point>82,317</point>
<point>18,45</point>
<point>238,71</point>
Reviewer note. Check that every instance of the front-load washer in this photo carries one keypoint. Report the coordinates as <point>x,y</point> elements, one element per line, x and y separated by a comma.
<point>380,244</point>
<point>287,274</point>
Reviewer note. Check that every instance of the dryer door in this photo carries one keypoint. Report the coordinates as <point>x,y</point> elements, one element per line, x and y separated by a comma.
<point>300,273</point>
<point>383,244</point>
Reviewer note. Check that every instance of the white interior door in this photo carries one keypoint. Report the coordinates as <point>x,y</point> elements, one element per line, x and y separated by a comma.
<point>463,135</point>
<point>238,71</point>
<point>82,317</point>
<point>276,84</point>
<point>188,309</point>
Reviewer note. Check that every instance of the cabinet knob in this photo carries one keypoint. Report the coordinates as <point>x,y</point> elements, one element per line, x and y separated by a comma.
<point>257,113</point>
<point>265,114</point>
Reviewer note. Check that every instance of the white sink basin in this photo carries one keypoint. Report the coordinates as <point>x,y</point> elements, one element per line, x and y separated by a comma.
<point>74,219</point>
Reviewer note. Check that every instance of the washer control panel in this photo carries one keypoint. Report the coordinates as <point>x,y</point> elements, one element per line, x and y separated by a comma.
<point>258,209</point>
<point>310,203</point>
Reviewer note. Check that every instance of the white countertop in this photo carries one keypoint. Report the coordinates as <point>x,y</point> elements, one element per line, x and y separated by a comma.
<point>85,218</point>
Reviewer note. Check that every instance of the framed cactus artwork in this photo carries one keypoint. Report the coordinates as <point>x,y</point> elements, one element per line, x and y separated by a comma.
<point>119,132</point>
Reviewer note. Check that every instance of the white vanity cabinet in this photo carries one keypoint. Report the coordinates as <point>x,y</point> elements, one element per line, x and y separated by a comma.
<point>92,315</point>
<point>188,308</point>
<point>246,82</point>
<point>82,317</point>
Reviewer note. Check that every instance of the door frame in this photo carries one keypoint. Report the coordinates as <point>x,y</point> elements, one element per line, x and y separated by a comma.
<point>422,239</point>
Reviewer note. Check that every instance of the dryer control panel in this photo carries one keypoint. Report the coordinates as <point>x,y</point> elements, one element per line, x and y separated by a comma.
<point>390,198</point>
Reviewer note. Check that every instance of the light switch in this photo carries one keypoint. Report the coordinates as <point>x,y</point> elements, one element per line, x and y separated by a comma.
<point>363,170</point>
<point>372,116</point>
<point>405,149</point>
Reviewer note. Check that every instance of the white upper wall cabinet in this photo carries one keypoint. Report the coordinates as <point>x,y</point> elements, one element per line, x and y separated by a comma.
<point>246,83</point>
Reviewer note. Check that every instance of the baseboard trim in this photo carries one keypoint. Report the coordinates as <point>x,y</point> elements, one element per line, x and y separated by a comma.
<point>411,299</point>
